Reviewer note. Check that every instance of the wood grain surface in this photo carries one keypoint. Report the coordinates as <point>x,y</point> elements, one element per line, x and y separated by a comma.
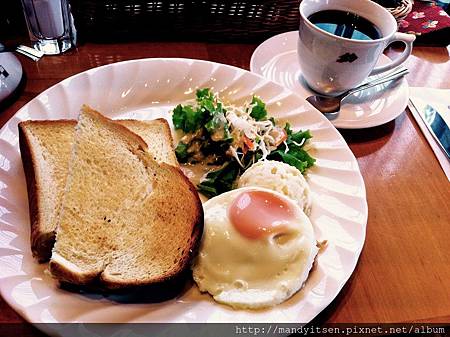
<point>403,274</point>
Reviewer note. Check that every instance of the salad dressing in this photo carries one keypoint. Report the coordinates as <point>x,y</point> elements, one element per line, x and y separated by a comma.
<point>197,172</point>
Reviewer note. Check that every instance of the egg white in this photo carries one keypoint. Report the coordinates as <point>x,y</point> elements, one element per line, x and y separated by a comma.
<point>250,274</point>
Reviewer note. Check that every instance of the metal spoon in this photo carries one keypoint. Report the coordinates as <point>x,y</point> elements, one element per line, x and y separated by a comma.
<point>332,105</point>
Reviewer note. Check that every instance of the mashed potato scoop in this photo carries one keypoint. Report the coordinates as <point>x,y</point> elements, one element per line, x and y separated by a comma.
<point>280,177</point>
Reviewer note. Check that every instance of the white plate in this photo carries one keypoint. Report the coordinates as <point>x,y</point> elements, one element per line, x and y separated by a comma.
<point>147,89</point>
<point>276,60</point>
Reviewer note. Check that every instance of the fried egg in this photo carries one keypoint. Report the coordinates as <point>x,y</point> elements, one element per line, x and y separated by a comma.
<point>257,249</point>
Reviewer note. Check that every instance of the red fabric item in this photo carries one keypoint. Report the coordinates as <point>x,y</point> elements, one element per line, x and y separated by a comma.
<point>426,18</point>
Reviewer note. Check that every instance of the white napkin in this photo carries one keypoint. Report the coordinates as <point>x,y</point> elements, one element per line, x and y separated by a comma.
<point>440,100</point>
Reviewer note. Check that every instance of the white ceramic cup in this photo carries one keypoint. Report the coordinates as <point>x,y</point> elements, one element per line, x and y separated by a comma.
<point>332,64</point>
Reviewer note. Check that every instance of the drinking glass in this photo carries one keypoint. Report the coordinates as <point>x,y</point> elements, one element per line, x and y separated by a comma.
<point>50,25</point>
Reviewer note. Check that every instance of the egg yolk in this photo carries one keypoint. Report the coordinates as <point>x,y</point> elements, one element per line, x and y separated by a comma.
<point>256,214</point>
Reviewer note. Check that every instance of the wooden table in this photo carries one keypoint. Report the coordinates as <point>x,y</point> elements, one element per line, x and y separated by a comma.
<point>403,274</point>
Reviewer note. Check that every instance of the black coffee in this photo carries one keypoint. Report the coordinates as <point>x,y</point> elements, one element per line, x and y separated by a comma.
<point>345,24</point>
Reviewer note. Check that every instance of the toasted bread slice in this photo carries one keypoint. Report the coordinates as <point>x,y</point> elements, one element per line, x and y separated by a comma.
<point>45,149</point>
<point>158,137</point>
<point>125,219</point>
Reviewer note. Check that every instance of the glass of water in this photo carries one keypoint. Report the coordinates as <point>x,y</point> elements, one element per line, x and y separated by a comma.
<point>50,25</point>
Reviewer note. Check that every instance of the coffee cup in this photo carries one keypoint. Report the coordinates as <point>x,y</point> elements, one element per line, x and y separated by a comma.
<point>341,47</point>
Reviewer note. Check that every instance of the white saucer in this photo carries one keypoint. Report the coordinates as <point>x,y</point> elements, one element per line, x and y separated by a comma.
<point>276,59</point>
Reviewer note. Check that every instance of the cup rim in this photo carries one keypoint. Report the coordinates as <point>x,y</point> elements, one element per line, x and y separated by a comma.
<point>375,41</point>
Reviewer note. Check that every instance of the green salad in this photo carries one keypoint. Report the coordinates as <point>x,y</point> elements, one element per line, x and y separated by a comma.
<point>235,138</point>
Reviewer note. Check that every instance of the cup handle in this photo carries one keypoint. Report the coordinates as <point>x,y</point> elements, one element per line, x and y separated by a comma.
<point>408,40</point>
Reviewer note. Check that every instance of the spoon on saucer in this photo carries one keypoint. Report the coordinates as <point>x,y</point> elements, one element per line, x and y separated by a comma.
<point>332,105</point>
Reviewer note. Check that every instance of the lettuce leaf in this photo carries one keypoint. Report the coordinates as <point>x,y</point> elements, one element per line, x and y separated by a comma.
<point>219,181</point>
<point>295,156</point>
<point>259,111</point>
<point>187,118</point>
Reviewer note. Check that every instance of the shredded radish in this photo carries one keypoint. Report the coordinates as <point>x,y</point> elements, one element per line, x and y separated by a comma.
<point>286,150</point>
<point>264,135</point>
<point>299,144</point>
<point>236,156</point>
